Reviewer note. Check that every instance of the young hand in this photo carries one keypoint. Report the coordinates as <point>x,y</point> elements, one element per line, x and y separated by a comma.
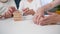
<point>9,13</point>
<point>28,11</point>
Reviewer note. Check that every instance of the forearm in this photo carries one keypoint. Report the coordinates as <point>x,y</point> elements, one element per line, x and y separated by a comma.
<point>50,6</point>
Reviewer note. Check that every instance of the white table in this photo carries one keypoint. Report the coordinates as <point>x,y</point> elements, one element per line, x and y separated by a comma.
<point>9,26</point>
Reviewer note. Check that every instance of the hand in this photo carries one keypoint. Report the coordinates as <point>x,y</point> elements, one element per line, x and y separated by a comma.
<point>52,19</point>
<point>31,12</point>
<point>38,15</point>
<point>9,13</point>
<point>28,11</point>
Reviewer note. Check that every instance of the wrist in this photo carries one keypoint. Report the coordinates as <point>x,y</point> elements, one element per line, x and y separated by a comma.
<point>41,11</point>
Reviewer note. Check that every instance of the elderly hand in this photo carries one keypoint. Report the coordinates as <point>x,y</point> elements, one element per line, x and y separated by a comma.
<point>53,18</point>
<point>38,15</point>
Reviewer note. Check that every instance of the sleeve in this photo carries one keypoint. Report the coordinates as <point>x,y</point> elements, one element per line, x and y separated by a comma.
<point>21,6</point>
<point>2,8</point>
<point>38,5</point>
<point>12,3</point>
<point>45,2</point>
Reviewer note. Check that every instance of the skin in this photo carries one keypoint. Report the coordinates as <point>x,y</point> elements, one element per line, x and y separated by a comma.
<point>29,1</point>
<point>52,19</point>
<point>40,12</point>
<point>9,13</point>
<point>28,11</point>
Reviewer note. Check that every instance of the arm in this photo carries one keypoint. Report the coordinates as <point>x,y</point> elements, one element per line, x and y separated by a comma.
<point>50,5</point>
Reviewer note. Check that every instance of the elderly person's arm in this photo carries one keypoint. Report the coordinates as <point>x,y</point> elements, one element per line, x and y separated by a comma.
<point>40,13</point>
<point>50,5</point>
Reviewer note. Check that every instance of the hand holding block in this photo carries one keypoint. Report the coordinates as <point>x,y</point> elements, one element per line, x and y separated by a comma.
<point>17,16</point>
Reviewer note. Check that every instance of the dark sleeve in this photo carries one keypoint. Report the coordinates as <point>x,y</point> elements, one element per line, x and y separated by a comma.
<point>17,3</point>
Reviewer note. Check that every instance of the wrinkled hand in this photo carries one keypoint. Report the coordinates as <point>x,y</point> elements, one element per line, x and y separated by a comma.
<point>37,17</point>
<point>9,13</point>
<point>52,19</point>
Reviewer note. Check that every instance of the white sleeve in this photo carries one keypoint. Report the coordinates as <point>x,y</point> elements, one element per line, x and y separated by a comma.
<point>21,6</point>
<point>12,3</point>
<point>38,5</point>
<point>45,2</point>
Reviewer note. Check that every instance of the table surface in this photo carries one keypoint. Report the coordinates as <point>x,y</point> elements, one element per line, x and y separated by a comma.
<point>9,26</point>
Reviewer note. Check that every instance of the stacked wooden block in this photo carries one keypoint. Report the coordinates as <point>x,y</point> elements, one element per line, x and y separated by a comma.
<point>17,16</point>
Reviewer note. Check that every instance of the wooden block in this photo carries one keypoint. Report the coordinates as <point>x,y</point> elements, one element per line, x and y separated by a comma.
<point>17,16</point>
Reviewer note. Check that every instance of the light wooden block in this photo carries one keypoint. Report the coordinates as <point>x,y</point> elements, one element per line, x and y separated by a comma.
<point>17,16</point>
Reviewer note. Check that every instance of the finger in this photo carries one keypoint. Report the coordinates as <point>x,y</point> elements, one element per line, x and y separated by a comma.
<point>4,15</point>
<point>44,23</point>
<point>13,8</point>
<point>10,9</point>
<point>50,22</point>
<point>9,13</point>
<point>32,12</point>
<point>29,12</point>
<point>26,10</point>
<point>26,13</point>
<point>38,19</point>
<point>35,19</point>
